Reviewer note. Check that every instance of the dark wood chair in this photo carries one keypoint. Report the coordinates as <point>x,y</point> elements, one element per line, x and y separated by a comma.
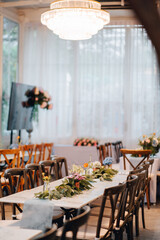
<point>104,151</point>
<point>117,146</point>
<point>108,149</point>
<point>34,172</point>
<point>49,167</point>
<point>38,151</point>
<point>47,151</point>
<point>71,227</point>
<point>62,167</point>
<point>17,182</point>
<point>125,218</point>
<point>49,234</point>
<point>149,166</point>
<point>140,195</point>
<point>101,153</point>
<point>35,175</point>
<point>145,154</point>
<point>101,225</point>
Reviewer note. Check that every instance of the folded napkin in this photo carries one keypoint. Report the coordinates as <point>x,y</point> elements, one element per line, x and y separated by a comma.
<point>37,214</point>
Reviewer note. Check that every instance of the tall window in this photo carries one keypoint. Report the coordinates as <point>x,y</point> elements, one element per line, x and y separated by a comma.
<point>106,87</point>
<point>10,65</point>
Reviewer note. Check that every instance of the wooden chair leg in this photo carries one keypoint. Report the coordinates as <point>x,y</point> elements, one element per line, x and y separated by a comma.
<point>147,197</point>
<point>14,211</point>
<point>118,234</point>
<point>2,211</point>
<point>129,230</point>
<point>142,208</point>
<point>137,221</point>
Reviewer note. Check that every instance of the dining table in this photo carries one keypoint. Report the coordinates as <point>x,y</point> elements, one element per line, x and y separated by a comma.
<point>10,230</point>
<point>76,201</point>
<point>11,156</point>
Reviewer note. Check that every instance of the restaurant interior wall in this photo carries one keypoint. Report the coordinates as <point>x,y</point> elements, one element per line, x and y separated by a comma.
<point>70,117</point>
<point>8,16</point>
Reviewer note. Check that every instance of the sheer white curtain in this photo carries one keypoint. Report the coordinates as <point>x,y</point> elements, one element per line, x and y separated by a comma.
<point>106,87</point>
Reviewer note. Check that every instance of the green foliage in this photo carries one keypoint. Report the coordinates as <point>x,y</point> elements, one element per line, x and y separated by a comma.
<point>104,173</point>
<point>75,184</point>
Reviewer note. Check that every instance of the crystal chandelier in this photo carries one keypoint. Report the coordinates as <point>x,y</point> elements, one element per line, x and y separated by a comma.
<point>75,19</point>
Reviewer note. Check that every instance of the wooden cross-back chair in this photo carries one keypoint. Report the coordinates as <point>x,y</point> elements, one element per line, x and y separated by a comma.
<point>17,182</point>
<point>47,151</point>
<point>38,150</point>
<point>49,167</point>
<point>11,157</point>
<point>61,166</point>
<point>141,173</point>
<point>145,154</point>
<point>148,167</point>
<point>73,225</point>
<point>117,147</point>
<point>30,150</point>
<point>35,175</point>
<point>101,225</point>
<point>102,153</point>
<point>108,149</point>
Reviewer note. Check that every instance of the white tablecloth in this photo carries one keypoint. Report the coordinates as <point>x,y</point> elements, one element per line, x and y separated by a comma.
<point>76,201</point>
<point>155,168</point>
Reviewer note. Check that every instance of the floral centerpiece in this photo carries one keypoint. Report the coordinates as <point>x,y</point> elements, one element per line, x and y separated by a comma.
<point>37,97</point>
<point>152,143</point>
<point>77,182</point>
<point>94,170</point>
<point>85,142</point>
<point>71,185</point>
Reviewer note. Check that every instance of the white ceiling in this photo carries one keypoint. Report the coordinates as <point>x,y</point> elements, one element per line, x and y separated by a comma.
<point>106,4</point>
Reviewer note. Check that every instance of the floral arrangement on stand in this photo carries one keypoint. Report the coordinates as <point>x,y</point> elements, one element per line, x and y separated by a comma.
<point>85,142</point>
<point>37,97</point>
<point>152,143</point>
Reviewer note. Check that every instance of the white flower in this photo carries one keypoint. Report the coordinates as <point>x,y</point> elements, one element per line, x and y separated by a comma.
<point>154,142</point>
<point>96,164</point>
<point>76,169</point>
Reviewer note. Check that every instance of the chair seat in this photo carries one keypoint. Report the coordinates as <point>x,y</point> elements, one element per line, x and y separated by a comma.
<point>58,213</point>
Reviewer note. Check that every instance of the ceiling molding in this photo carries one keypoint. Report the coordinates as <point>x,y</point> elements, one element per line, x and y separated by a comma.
<point>25,3</point>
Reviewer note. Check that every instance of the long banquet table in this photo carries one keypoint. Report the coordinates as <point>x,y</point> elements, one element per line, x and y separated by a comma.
<point>76,201</point>
<point>12,233</point>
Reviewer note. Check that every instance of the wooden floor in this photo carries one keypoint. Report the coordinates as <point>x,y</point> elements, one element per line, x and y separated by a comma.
<point>152,217</point>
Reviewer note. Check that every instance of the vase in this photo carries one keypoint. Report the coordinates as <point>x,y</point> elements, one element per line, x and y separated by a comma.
<point>46,186</point>
<point>34,113</point>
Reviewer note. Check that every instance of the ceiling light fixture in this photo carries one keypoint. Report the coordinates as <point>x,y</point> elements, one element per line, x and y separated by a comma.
<point>75,19</point>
